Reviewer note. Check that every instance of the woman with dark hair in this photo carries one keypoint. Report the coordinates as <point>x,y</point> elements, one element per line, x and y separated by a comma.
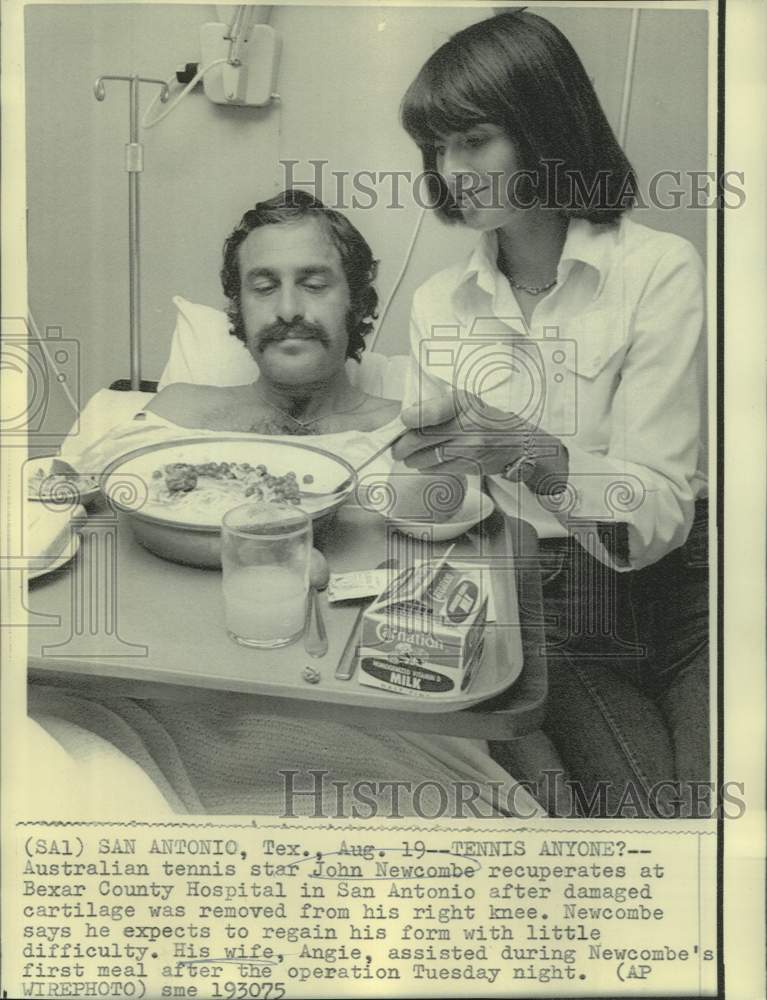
<point>518,77</point>
<point>563,363</point>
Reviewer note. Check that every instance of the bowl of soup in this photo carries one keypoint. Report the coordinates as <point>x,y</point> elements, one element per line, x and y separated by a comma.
<point>174,494</point>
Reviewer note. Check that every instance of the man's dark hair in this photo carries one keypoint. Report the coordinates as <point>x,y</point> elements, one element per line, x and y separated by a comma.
<point>357,260</point>
<point>518,72</point>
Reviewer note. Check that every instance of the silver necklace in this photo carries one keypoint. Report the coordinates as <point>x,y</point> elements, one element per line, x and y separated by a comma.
<point>530,289</point>
<point>306,425</point>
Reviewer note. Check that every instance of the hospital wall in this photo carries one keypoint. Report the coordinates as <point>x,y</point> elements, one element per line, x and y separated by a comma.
<point>341,77</point>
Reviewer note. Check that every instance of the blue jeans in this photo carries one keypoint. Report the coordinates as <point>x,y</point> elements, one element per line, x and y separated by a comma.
<point>628,665</point>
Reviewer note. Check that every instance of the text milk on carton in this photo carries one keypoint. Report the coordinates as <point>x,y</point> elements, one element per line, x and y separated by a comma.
<point>425,634</point>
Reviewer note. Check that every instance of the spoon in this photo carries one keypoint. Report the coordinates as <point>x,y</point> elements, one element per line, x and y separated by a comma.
<point>319,575</point>
<point>403,429</point>
<point>349,481</point>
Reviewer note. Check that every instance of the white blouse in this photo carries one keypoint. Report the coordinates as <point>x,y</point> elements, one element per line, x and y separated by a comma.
<point>612,364</point>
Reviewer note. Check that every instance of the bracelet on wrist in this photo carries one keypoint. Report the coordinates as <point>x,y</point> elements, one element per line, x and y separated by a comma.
<point>523,468</point>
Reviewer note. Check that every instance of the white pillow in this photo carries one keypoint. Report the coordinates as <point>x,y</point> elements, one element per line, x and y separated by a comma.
<point>203,352</point>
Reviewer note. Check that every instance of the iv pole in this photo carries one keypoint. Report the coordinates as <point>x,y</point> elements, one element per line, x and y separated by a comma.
<point>134,164</point>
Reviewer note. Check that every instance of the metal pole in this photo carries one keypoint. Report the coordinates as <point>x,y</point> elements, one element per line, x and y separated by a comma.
<point>134,166</point>
<point>628,79</point>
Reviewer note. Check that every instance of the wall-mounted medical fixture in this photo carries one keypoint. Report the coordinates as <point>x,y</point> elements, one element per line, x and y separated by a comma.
<point>134,164</point>
<point>238,63</point>
<point>246,51</point>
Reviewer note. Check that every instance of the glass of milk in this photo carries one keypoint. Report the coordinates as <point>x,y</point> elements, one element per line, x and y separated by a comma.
<point>265,554</point>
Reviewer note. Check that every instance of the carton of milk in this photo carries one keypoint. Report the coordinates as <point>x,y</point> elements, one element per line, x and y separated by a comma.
<point>425,634</point>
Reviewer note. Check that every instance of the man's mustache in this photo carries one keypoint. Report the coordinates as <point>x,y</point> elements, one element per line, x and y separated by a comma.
<point>300,330</point>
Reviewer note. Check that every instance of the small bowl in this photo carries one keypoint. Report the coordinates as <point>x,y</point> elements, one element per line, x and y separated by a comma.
<point>46,484</point>
<point>475,508</point>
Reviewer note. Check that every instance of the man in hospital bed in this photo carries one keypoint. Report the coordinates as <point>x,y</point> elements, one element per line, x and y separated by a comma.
<point>299,281</point>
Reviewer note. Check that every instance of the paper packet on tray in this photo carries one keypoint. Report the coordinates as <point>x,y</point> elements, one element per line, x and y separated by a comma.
<point>425,634</point>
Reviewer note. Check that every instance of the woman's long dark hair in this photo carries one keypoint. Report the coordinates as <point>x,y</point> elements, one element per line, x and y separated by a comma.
<point>517,71</point>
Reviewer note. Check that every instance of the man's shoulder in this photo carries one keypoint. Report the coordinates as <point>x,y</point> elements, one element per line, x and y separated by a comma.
<point>182,402</point>
<point>182,392</point>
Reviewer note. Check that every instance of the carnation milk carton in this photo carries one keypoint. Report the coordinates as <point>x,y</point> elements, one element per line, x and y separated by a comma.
<point>424,635</point>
